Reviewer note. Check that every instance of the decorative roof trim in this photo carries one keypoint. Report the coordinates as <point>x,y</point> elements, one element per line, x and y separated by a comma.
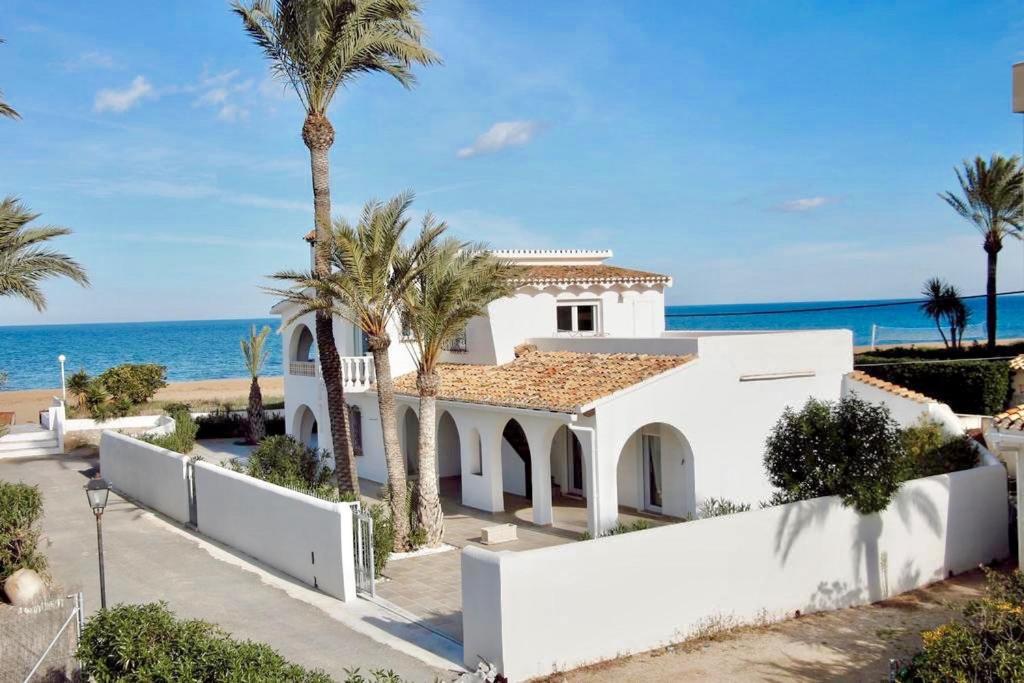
<point>895,389</point>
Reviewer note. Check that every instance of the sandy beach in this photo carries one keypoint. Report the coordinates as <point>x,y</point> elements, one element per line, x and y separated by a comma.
<point>27,404</point>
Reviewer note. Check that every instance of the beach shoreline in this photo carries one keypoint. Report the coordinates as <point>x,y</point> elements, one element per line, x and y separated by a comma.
<point>27,403</point>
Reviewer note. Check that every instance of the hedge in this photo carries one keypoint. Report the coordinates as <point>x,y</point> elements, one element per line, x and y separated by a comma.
<point>975,387</point>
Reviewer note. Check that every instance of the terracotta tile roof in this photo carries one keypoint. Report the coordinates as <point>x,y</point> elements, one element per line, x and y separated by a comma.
<point>1017,363</point>
<point>1010,419</point>
<point>585,275</point>
<point>895,389</point>
<point>557,381</point>
<point>310,236</point>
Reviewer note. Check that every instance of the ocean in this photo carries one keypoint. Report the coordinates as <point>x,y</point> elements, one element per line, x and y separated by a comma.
<point>208,349</point>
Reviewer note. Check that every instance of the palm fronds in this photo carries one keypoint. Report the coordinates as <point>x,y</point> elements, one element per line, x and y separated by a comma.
<point>254,350</point>
<point>990,196</point>
<point>319,45</point>
<point>7,110</point>
<point>25,261</point>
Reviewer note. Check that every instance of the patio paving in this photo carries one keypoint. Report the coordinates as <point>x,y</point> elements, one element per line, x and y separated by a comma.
<point>430,586</point>
<point>221,451</point>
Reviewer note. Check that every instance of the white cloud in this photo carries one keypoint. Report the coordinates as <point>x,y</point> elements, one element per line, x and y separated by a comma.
<point>232,113</point>
<point>215,96</point>
<point>93,59</point>
<point>806,204</point>
<point>501,135</point>
<point>111,99</point>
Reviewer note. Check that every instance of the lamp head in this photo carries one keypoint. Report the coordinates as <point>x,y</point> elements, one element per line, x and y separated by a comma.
<point>61,358</point>
<point>97,491</point>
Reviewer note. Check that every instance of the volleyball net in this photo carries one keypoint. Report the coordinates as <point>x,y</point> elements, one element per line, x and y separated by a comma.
<point>882,334</point>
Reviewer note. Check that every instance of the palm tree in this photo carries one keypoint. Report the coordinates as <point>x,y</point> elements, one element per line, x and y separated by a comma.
<point>990,200</point>
<point>456,283</point>
<point>944,305</point>
<point>7,110</point>
<point>255,352</point>
<point>25,261</point>
<point>317,46</point>
<point>936,304</point>
<point>371,273</point>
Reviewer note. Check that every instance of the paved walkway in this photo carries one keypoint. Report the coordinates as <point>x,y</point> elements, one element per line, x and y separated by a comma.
<point>149,558</point>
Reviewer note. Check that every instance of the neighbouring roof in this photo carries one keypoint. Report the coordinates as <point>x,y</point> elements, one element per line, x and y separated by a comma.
<point>310,236</point>
<point>599,274</point>
<point>556,381</point>
<point>1010,419</point>
<point>895,389</point>
<point>1017,363</point>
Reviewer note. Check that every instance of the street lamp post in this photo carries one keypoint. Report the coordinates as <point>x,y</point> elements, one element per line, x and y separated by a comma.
<point>63,386</point>
<point>97,491</point>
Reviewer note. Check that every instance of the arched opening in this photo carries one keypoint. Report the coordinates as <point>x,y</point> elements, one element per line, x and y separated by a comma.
<point>449,457</point>
<point>304,427</point>
<point>516,466</point>
<point>303,347</point>
<point>410,439</point>
<point>567,467</point>
<point>655,472</point>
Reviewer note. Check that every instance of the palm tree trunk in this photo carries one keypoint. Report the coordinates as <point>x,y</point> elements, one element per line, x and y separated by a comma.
<point>430,514</point>
<point>257,425</point>
<point>318,134</point>
<point>392,448</point>
<point>992,249</point>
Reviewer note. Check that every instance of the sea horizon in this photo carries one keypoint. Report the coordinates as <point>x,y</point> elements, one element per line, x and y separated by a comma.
<point>205,349</point>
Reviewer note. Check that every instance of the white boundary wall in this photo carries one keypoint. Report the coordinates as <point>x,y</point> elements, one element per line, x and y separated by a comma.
<point>151,475</point>
<point>646,589</point>
<point>305,537</point>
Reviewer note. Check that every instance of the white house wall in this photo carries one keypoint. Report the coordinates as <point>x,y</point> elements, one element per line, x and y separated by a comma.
<point>669,582</point>
<point>906,411</point>
<point>513,470</point>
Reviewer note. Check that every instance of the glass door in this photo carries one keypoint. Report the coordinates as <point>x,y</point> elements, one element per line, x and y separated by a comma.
<point>651,453</point>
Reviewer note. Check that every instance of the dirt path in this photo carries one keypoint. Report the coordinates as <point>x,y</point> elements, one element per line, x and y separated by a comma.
<point>847,645</point>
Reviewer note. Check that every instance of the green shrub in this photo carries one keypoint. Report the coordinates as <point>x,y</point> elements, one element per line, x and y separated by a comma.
<point>930,451</point>
<point>182,439</point>
<point>849,448</point>
<point>977,387</point>
<point>987,645</point>
<point>223,423</point>
<point>21,507</point>
<point>417,534</point>
<point>284,461</point>
<point>383,536</point>
<point>619,529</point>
<point>136,383</point>
<point>716,507</point>
<point>147,643</point>
<point>376,676</point>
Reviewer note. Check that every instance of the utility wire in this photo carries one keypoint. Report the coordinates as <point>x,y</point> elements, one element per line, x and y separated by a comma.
<point>819,309</point>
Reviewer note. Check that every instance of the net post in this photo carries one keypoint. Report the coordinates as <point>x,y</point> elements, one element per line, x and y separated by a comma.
<point>874,329</point>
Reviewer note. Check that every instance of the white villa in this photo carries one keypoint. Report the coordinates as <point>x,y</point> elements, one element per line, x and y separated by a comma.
<point>571,389</point>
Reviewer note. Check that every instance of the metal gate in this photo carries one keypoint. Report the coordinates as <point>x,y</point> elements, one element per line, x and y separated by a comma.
<point>362,525</point>
<point>38,642</point>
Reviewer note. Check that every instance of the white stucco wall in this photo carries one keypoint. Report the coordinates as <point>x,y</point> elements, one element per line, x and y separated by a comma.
<point>153,476</point>
<point>906,411</point>
<point>808,556</point>
<point>302,536</point>
<point>513,470</point>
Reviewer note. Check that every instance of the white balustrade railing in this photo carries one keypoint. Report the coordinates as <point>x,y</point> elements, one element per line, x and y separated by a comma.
<point>356,371</point>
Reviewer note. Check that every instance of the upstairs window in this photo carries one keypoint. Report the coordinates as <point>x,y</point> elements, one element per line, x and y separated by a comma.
<point>578,318</point>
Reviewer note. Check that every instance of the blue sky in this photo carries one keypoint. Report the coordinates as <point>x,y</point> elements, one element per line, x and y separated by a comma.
<point>754,151</point>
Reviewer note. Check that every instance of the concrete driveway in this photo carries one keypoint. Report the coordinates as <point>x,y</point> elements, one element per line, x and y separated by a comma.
<point>149,558</point>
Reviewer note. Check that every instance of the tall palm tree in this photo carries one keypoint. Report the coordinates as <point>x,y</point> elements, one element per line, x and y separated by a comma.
<point>456,283</point>
<point>371,273</point>
<point>255,353</point>
<point>990,200</point>
<point>25,260</point>
<point>318,46</point>
<point>7,110</point>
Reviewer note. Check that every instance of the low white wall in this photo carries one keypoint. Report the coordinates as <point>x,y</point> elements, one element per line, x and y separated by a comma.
<point>151,475</point>
<point>132,422</point>
<point>302,536</point>
<point>645,589</point>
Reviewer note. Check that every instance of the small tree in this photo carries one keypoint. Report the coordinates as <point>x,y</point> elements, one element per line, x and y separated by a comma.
<point>849,448</point>
<point>255,352</point>
<point>945,307</point>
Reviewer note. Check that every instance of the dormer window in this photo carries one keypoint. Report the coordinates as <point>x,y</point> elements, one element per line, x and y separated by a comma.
<point>577,318</point>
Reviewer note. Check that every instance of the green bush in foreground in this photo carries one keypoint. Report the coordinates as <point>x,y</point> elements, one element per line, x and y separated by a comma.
<point>286,462</point>
<point>716,507</point>
<point>930,451</point>
<point>21,507</point>
<point>147,643</point>
<point>986,645</point>
<point>182,439</point>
